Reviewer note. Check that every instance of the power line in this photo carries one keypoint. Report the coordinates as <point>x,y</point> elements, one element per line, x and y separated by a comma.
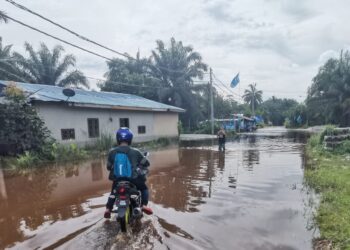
<point>66,29</point>
<point>215,85</point>
<point>226,86</point>
<point>85,38</point>
<point>57,38</point>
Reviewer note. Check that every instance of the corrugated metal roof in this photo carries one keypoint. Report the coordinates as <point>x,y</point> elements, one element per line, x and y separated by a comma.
<point>48,93</point>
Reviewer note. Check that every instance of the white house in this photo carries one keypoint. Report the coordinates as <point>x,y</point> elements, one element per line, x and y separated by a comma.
<point>88,114</point>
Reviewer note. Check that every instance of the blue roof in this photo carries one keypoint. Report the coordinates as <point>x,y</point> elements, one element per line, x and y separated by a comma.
<point>49,93</point>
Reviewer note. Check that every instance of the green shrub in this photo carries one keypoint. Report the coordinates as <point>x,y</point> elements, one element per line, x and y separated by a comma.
<point>20,124</point>
<point>314,141</point>
<point>205,128</point>
<point>68,152</point>
<point>346,146</point>
<point>328,131</point>
<point>28,159</point>
<point>343,148</point>
<point>104,143</point>
<point>287,123</point>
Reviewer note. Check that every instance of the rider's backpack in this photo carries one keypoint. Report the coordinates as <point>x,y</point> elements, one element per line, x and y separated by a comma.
<point>122,166</point>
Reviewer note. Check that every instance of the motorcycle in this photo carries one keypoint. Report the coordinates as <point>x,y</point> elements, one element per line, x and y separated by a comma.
<point>128,204</point>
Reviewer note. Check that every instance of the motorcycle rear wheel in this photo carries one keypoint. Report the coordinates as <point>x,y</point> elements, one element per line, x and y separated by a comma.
<point>124,221</point>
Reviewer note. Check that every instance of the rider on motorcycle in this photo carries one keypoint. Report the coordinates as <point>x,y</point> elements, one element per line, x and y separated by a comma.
<point>138,161</point>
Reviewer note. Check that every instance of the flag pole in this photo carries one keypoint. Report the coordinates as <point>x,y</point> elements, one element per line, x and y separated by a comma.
<point>239,89</point>
<point>211,102</point>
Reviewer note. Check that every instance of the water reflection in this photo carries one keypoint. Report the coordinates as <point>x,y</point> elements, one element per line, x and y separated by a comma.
<point>97,170</point>
<point>183,187</point>
<point>174,229</point>
<point>232,180</point>
<point>30,198</point>
<point>250,158</point>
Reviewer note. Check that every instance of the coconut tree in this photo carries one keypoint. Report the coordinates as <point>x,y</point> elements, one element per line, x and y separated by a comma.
<point>252,97</point>
<point>331,91</point>
<point>8,69</point>
<point>50,67</point>
<point>176,67</point>
<point>3,17</point>
<point>132,77</point>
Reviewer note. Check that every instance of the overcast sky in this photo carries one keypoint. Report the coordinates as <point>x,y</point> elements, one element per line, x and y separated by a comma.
<point>279,44</point>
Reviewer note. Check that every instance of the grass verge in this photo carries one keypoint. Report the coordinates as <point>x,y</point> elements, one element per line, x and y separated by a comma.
<point>328,173</point>
<point>58,153</point>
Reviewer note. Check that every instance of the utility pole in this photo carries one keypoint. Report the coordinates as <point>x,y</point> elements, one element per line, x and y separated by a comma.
<point>211,101</point>
<point>253,103</point>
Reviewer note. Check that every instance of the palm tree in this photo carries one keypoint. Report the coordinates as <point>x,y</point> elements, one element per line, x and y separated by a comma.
<point>331,90</point>
<point>252,97</point>
<point>122,73</point>
<point>8,69</point>
<point>3,17</point>
<point>176,67</point>
<point>46,67</point>
<point>178,63</point>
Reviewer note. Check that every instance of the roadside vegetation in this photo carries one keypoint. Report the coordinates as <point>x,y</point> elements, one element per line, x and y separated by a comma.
<point>328,173</point>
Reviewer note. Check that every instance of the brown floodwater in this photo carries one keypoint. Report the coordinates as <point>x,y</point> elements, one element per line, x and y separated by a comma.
<point>249,197</point>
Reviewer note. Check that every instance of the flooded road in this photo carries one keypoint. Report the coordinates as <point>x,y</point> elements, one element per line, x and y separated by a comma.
<point>249,197</point>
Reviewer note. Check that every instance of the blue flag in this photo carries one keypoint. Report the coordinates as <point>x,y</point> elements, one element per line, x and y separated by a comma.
<point>299,120</point>
<point>235,81</point>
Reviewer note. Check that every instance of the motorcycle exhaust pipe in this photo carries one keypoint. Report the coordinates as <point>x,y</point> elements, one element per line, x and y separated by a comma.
<point>137,212</point>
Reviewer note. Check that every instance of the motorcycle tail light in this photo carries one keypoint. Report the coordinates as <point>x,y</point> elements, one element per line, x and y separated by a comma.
<point>121,190</point>
<point>122,197</point>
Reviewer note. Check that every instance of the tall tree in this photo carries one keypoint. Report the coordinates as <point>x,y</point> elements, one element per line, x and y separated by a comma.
<point>331,90</point>
<point>3,17</point>
<point>176,67</point>
<point>8,69</point>
<point>50,67</point>
<point>131,77</point>
<point>167,76</point>
<point>253,97</point>
<point>276,110</point>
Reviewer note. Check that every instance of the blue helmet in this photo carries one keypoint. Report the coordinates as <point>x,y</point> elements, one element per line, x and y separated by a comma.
<point>124,134</point>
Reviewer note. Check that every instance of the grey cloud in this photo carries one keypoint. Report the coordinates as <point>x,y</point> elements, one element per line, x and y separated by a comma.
<point>221,11</point>
<point>298,9</point>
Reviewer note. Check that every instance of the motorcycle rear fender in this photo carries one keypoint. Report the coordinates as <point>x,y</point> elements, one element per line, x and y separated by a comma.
<point>121,212</point>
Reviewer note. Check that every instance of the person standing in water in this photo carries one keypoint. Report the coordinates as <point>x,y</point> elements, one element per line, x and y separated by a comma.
<point>222,138</point>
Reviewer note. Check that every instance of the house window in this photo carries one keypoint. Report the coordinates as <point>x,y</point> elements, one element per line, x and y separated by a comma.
<point>141,129</point>
<point>68,134</point>
<point>124,122</point>
<point>93,127</point>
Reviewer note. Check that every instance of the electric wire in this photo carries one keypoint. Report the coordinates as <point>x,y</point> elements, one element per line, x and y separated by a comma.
<point>66,29</point>
<point>231,91</point>
<point>85,38</point>
<point>57,38</point>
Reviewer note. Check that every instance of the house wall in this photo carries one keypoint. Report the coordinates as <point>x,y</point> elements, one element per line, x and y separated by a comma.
<point>59,116</point>
<point>165,124</point>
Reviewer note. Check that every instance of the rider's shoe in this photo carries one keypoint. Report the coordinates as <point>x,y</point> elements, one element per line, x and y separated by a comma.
<point>147,210</point>
<point>107,214</point>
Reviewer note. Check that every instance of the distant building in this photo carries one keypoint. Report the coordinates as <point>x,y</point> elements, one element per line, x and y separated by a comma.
<point>239,123</point>
<point>88,114</point>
